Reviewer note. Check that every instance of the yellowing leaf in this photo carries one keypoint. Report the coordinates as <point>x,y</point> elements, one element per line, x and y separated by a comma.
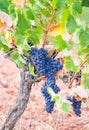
<point>1,24</point>
<point>8,37</point>
<point>56,30</point>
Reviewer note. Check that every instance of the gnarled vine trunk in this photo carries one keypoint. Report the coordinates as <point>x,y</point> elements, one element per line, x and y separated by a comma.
<point>21,102</point>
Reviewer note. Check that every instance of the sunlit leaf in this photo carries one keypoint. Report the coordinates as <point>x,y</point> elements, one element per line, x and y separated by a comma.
<point>69,65</point>
<point>56,30</point>
<point>59,43</point>
<point>31,69</point>
<point>7,36</point>
<point>66,107</point>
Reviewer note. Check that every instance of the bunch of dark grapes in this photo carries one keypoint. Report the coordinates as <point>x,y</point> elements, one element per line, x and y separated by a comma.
<point>76,105</point>
<point>48,67</point>
<point>48,102</point>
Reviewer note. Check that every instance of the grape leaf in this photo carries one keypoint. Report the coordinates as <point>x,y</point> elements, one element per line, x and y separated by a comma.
<point>84,39</point>
<point>71,25</point>
<point>31,70</point>
<point>22,23</point>
<point>65,107</point>
<point>59,43</point>
<point>69,65</point>
<point>85,80</point>
<point>17,58</point>
<point>77,6</point>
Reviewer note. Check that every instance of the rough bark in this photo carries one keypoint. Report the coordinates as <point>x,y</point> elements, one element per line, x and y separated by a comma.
<point>21,102</point>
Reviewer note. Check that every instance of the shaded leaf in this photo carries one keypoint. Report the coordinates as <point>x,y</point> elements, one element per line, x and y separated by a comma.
<point>71,25</point>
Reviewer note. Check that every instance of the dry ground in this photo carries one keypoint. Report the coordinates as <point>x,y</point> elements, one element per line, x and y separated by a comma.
<point>35,116</point>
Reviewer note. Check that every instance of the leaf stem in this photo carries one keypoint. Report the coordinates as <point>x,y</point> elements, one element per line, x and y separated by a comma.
<point>48,27</point>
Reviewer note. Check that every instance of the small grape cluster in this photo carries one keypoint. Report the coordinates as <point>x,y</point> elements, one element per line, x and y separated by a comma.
<point>76,105</point>
<point>48,67</point>
<point>70,75</point>
<point>78,77</point>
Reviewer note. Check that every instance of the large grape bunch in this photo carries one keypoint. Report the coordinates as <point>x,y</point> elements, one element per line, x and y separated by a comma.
<point>76,105</point>
<point>48,67</point>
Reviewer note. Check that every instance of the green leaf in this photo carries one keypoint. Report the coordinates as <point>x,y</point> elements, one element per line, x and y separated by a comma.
<point>4,4</point>
<point>22,23</point>
<point>60,4</point>
<point>20,39</point>
<point>54,3</point>
<point>84,39</point>
<point>59,43</point>
<point>32,2</point>
<point>28,12</point>
<point>58,100</point>
<point>1,45</point>
<point>71,25</point>
<point>31,69</point>
<point>17,58</point>
<point>69,65</point>
<point>77,6</point>
<point>26,48</point>
<point>6,48</point>
<point>84,17</point>
<point>4,44</point>
<point>65,16</point>
<point>85,80</point>
<point>66,107</point>
<point>12,11</point>
<point>51,92</point>
<point>85,3</point>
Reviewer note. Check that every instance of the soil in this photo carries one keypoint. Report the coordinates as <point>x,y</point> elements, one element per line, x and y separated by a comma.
<point>35,117</point>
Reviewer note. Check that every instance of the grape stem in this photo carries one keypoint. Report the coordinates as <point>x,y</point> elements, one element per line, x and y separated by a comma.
<point>48,27</point>
<point>71,81</point>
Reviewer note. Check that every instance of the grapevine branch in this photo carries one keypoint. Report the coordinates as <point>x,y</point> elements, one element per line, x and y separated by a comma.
<point>47,30</point>
<point>21,103</point>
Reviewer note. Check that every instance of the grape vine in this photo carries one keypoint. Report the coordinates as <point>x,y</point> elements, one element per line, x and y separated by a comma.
<point>28,29</point>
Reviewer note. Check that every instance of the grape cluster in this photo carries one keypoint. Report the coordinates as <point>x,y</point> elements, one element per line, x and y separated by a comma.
<point>48,102</point>
<point>78,77</point>
<point>76,105</point>
<point>48,67</point>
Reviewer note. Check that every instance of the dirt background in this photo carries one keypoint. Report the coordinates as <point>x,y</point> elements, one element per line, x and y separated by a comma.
<point>35,116</point>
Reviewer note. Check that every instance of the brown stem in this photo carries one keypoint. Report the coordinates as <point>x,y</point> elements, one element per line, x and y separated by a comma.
<point>21,103</point>
<point>47,30</point>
